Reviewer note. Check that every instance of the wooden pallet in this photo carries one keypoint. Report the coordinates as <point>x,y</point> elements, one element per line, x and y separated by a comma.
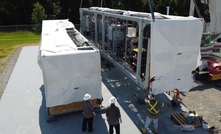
<point>179,119</point>
<point>68,108</point>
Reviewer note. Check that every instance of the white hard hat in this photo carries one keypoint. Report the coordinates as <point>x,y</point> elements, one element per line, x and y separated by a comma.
<point>87,97</point>
<point>112,100</point>
<point>151,96</point>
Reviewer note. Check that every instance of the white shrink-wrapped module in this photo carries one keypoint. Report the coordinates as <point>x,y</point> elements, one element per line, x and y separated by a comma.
<point>70,64</point>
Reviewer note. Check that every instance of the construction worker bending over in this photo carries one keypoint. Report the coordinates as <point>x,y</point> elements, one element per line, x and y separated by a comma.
<point>153,110</point>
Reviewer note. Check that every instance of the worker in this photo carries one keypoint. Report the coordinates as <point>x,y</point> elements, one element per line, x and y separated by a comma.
<point>113,116</point>
<point>176,94</point>
<point>153,110</point>
<point>88,113</point>
<point>176,98</point>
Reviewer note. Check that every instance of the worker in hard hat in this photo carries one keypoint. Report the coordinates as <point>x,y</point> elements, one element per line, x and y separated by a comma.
<point>153,110</point>
<point>88,113</point>
<point>113,116</point>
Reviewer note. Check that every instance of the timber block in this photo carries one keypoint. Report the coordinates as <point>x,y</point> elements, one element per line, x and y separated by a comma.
<point>68,108</point>
<point>179,119</point>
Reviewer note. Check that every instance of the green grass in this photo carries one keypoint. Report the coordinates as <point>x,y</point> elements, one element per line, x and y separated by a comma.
<point>10,41</point>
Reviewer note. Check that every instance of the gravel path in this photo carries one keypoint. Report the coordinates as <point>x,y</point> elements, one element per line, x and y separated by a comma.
<point>7,69</point>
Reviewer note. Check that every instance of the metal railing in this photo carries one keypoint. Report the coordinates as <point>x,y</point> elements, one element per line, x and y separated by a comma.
<point>13,28</point>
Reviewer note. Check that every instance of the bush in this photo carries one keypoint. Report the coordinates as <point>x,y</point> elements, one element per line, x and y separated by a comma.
<point>38,15</point>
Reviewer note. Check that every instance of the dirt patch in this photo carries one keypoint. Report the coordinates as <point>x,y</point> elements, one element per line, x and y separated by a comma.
<point>7,69</point>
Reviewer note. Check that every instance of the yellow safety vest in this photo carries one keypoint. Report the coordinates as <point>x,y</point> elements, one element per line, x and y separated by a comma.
<point>152,108</point>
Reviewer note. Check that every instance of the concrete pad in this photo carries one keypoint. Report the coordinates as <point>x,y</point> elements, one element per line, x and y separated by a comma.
<point>21,100</point>
<point>23,110</point>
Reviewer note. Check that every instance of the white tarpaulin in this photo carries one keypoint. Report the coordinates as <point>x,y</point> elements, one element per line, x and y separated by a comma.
<point>68,71</point>
<point>175,45</point>
<point>215,15</point>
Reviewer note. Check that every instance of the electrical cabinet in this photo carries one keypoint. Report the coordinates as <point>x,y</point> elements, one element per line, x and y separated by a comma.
<point>143,60</point>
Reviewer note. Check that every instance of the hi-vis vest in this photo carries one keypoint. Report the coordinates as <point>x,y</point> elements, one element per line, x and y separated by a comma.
<point>154,108</point>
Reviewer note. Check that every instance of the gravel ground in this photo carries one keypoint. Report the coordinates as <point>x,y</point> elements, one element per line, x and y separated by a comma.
<point>204,98</point>
<point>7,69</point>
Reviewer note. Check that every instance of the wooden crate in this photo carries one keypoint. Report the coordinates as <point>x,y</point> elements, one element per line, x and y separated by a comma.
<point>75,106</point>
<point>179,119</point>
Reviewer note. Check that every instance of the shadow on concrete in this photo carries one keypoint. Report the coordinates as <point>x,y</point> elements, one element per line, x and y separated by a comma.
<point>127,92</point>
<point>67,123</point>
<point>204,83</point>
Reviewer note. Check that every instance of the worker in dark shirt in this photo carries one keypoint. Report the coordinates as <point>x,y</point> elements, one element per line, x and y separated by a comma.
<point>113,116</point>
<point>88,113</point>
<point>153,110</point>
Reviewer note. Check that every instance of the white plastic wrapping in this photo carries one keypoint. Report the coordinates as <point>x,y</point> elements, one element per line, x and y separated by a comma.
<point>215,15</point>
<point>68,73</point>
<point>175,45</point>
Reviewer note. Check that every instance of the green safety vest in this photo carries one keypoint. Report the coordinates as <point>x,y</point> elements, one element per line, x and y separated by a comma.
<point>152,109</point>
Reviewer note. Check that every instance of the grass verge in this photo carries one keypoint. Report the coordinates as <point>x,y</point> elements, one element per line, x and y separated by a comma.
<point>11,41</point>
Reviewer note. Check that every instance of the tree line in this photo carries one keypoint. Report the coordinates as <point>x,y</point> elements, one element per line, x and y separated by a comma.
<point>19,12</point>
